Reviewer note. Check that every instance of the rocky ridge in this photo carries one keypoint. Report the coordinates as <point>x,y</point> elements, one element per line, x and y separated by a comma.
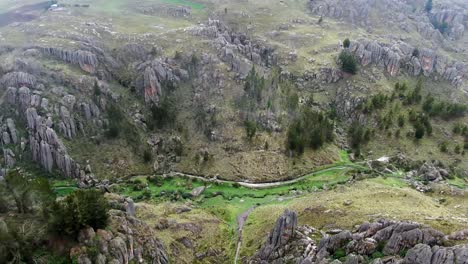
<point>289,243</point>
<point>400,55</point>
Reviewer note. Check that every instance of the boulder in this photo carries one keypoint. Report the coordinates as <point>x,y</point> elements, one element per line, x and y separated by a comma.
<point>198,191</point>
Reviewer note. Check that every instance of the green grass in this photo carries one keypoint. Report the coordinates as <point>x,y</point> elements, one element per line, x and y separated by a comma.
<point>227,200</point>
<point>191,4</point>
<point>458,182</point>
<point>63,187</point>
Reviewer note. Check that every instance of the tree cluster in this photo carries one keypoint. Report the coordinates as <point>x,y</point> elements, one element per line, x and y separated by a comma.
<point>82,208</point>
<point>312,129</point>
<point>447,110</point>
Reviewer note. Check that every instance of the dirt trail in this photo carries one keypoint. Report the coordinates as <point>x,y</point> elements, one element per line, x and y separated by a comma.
<point>240,225</point>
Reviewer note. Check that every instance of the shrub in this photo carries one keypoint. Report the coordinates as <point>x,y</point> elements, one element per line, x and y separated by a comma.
<point>346,43</point>
<point>96,89</point>
<point>339,253</point>
<point>457,149</point>
<point>419,131</point>
<point>250,128</point>
<point>80,209</point>
<point>401,120</point>
<point>377,254</point>
<point>147,155</point>
<point>348,62</point>
<point>443,146</point>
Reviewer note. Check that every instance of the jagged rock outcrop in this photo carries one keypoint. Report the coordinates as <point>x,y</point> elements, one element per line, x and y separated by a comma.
<point>454,19</point>
<point>424,254</point>
<point>154,75</point>
<point>9,158</point>
<point>87,61</point>
<point>67,124</point>
<point>281,234</point>
<point>158,9</point>
<point>330,75</point>
<point>400,55</point>
<point>18,79</point>
<point>389,238</point>
<point>47,149</point>
<point>355,11</point>
<point>236,49</point>
<point>8,132</point>
<point>126,240</point>
<point>431,171</point>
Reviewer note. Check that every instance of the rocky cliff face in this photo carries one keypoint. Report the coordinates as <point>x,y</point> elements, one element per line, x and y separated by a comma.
<point>389,238</point>
<point>87,61</point>
<point>153,75</point>
<point>400,55</point>
<point>355,11</point>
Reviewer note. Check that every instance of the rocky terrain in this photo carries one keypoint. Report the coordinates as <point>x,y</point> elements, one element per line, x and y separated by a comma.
<point>378,242</point>
<point>196,116</point>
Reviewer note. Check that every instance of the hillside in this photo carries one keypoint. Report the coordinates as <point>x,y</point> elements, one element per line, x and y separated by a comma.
<point>214,116</point>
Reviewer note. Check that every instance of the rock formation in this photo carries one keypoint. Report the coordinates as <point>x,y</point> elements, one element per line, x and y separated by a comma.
<point>236,49</point>
<point>282,233</point>
<point>154,75</point>
<point>126,240</point>
<point>18,79</point>
<point>399,55</point>
<point>87,61</point>
<point>389,238</point>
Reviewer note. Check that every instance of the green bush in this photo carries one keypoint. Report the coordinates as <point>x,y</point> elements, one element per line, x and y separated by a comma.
<point>377,254</point>
<point>348,62</point>
<point>443,146</point>
<point>457,149</point>
<point>250,128</point>
<point>346,43</point>
<point>80,209</point>
<point>147,156</point>
<point>401,120</point>
<point>339,253</point>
